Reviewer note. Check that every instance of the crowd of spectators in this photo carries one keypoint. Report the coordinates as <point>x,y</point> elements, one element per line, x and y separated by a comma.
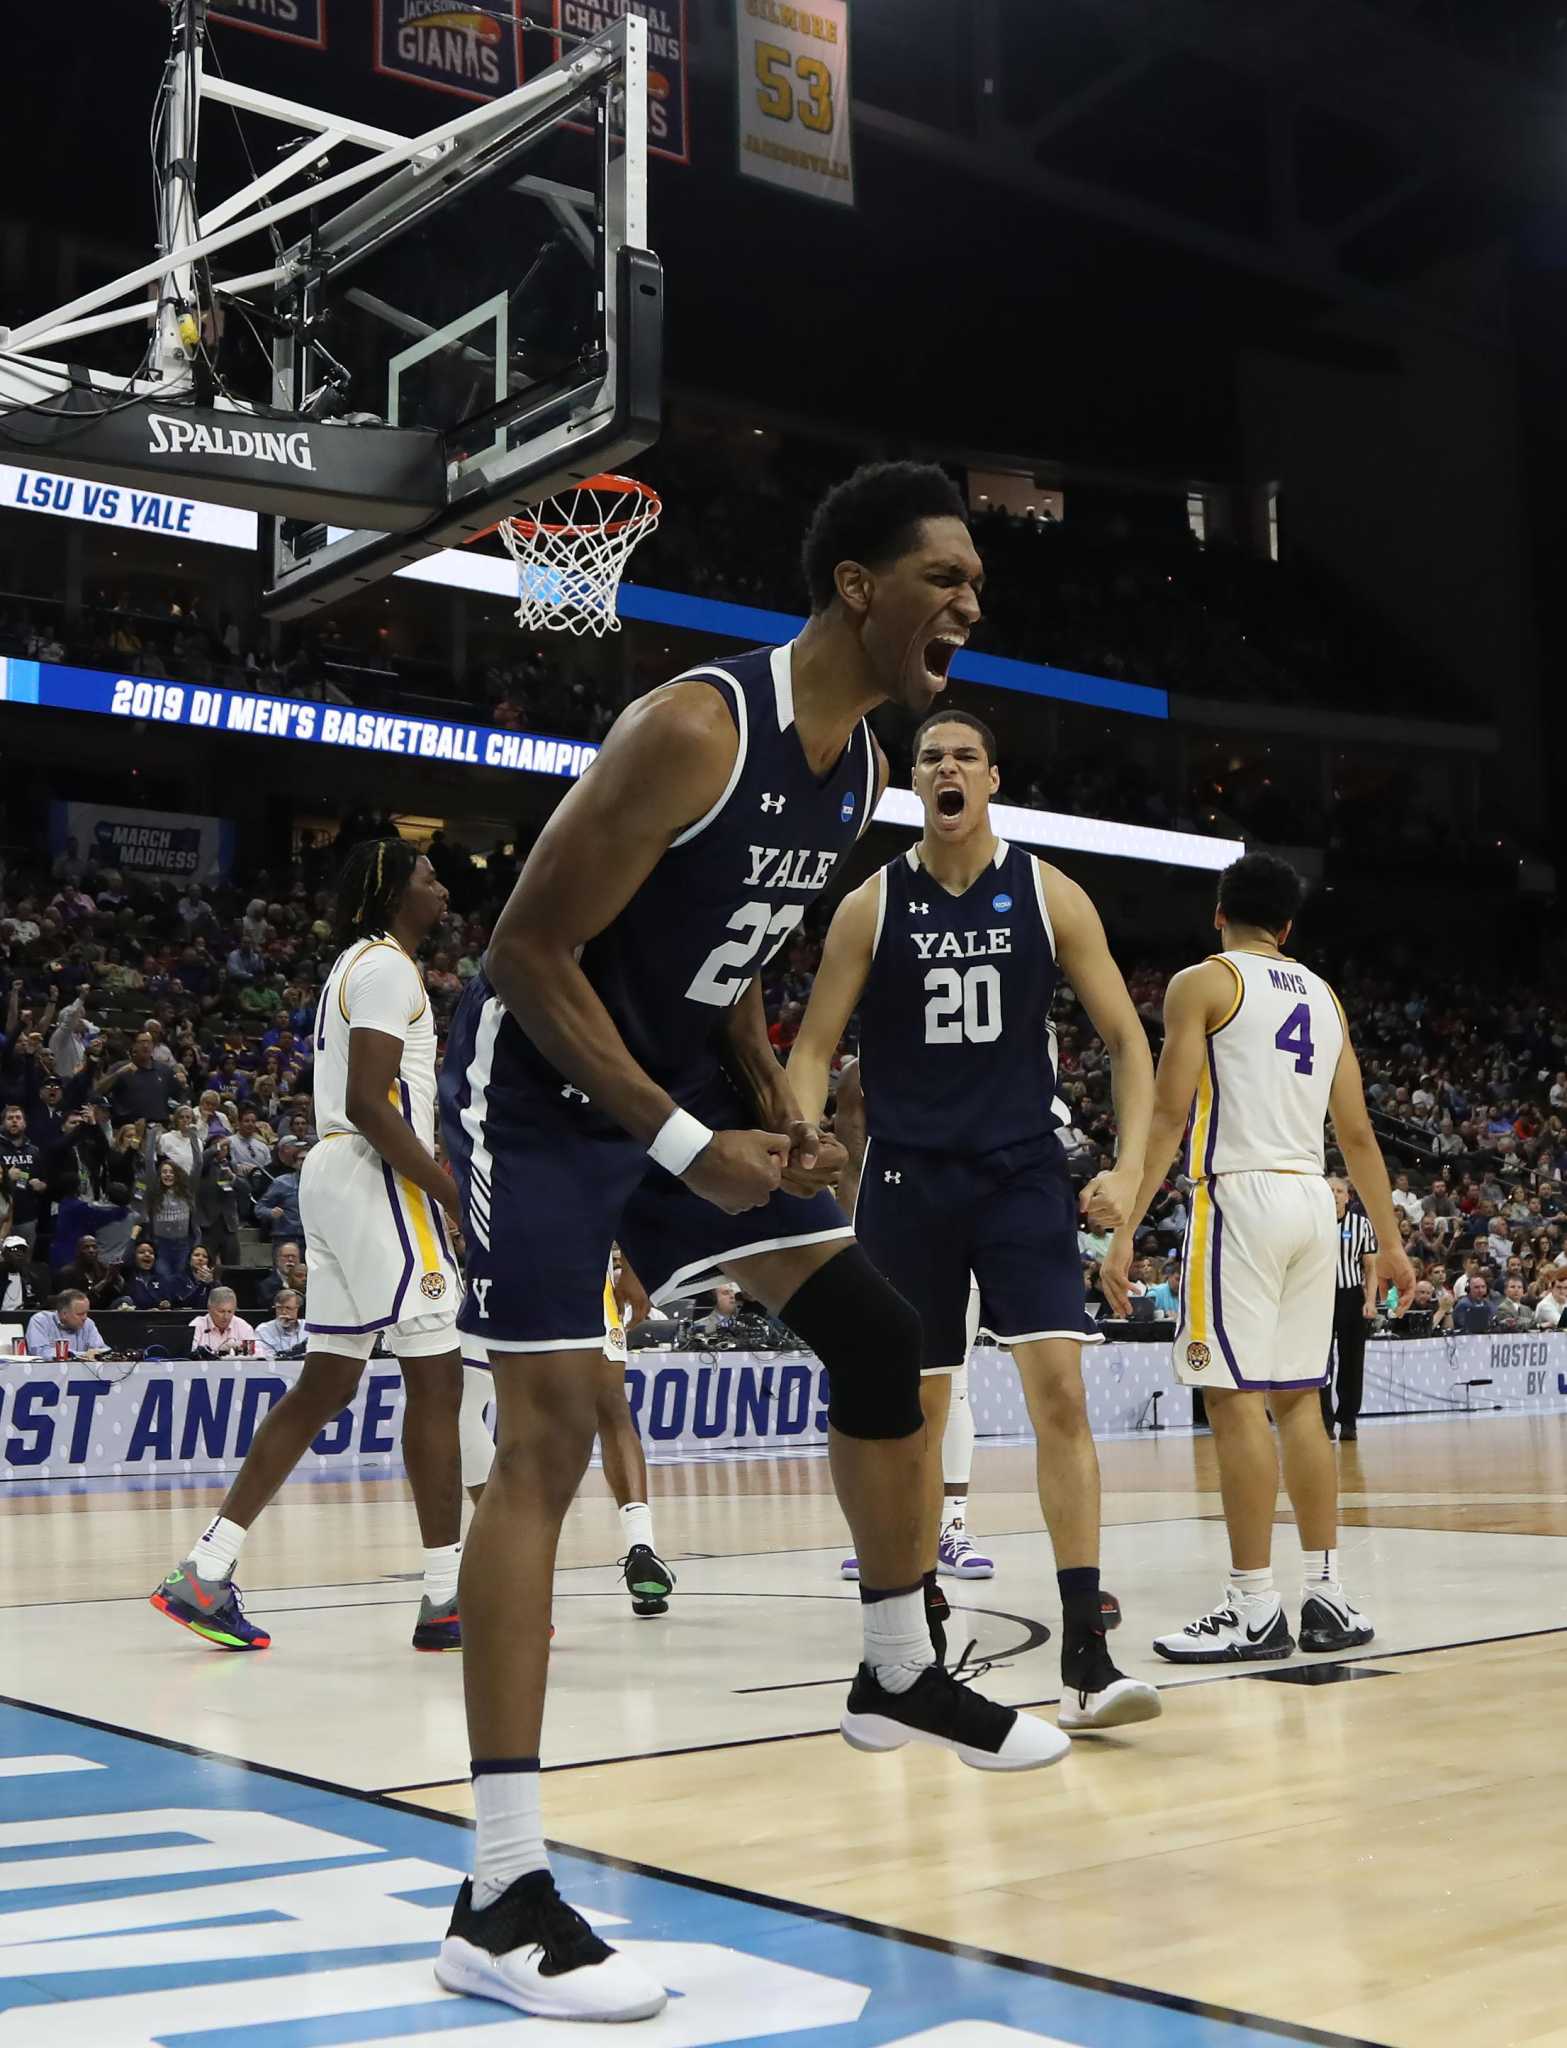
<point>155,1102</point>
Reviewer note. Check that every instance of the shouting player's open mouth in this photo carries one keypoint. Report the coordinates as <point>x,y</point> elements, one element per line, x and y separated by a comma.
<point>938,657</point>
<point>950,801</point>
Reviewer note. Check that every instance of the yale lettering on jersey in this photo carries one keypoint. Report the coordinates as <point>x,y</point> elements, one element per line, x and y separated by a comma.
<point>782,867</point>
<point>962,945</point>
<point>1293,984</point>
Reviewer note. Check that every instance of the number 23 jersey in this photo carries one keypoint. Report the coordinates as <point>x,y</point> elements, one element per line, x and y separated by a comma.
<point>1262,1095</point>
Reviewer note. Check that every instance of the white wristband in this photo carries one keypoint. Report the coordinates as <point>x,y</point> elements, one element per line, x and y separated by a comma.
<point>679,1142</point>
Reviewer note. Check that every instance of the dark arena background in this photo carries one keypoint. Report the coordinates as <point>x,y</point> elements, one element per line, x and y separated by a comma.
<point>1239,332</point>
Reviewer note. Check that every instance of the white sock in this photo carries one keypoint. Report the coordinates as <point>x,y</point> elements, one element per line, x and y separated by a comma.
<point>441,1567</point>
<point>510,1840</point>
<point>1320,1569</point>
<point>473,1432</point>
<point>957,1440</point>
<point>897,1639</point>
<point>954,1508</point>
<point>217,1549</point>
<point>636,1524</point>
<point>1256,1585</point>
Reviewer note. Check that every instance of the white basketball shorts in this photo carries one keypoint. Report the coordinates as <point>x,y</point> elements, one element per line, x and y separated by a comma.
<point>1257,1282</point>
<point>378,1256</point>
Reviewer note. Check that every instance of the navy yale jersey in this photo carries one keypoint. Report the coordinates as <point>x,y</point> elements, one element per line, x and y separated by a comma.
<point>734,885</point>
<point>956,1050</point>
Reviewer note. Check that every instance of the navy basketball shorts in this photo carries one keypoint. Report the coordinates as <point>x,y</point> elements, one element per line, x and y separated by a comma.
<point>548,1184</point>
<point>928,1220</point>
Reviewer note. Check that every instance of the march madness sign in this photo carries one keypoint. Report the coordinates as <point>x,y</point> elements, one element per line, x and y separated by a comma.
<point>465,50</point>
<point>291,21</point>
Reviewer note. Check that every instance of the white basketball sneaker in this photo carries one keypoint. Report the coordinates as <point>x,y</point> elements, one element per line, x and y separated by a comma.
<point>1328,1622</point>
<point>531,1950</point>
<point>956,1557</point>
<point>1238,1631</point>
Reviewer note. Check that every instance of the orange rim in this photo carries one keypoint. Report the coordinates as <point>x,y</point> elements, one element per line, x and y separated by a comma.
<point>623,486</point>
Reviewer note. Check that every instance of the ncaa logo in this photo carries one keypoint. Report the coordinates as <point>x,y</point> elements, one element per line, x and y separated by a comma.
<point>1001,902</point>
<point>846,812</point>
<point>432,1286</point>
<point>1198,1357</point>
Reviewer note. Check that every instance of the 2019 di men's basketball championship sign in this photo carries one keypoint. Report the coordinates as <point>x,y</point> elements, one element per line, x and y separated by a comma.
<point>467,50</point>
<point>795,123</point>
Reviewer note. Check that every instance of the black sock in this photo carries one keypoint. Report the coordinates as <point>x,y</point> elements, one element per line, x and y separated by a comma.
<point>1080,1601</point>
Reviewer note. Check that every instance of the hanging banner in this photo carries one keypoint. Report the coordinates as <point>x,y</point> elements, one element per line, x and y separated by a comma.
<point>668,96</point>
<point>291,21</point>
<point>171,846</point>
<point>795,121</point>
<point>465,50</point>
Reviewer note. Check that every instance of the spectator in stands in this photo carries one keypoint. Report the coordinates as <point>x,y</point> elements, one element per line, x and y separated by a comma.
<point>1405,1202</point>
<point>138,1090</point>
<point>1165,1293</point>
<point>1513,1312</point>
<point>217,1202</point>
<point>221,1332</point>
<point>69,1040</point>
<point>210,1119</point>
<point>250,1155</point>
<point>168,1217</point>
<point>277,1206</point>
<point>1552,1305</point>
<point>25,1284</point>
<point>144,1287</point>
<point>284,1335</point>
<point>26,1191</point>
<point>91,1274</point>
<point>68,1323</point>
<point>181,1142</point>
<point>1475,1315</point>
<point>288,1271</point>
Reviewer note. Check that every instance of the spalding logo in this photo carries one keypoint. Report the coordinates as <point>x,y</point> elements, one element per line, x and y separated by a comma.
<point>1001,902</point>
<point>847,810</point>
<point>432,1286</point>
<point>1198,1357</point>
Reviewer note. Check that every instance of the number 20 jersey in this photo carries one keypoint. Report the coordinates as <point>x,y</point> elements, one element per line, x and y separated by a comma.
<point>1262,1095</point>
<point>957,1053</point>
<point>731,888</point>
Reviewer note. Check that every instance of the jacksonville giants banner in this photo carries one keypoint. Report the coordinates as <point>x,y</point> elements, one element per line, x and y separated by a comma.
<point>668,100</point>
<point>466,50</point>
<point>170,846</point>
<point>291,21</point>
<point>795,119</point>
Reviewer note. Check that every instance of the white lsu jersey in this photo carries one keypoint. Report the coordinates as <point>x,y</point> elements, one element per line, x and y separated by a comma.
<point>1262,1096</point>
<point>375,985</point>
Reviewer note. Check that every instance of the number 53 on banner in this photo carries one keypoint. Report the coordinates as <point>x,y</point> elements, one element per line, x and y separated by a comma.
<point>795,126</point>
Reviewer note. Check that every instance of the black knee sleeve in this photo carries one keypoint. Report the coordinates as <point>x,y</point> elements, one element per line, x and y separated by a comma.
<point>870,1341</point>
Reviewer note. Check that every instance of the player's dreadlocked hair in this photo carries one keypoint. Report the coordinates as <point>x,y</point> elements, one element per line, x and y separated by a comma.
<point>370,887</point>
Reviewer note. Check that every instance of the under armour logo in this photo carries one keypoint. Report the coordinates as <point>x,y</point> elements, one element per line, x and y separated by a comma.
<point>481,1294</point>
<point>920,909</point>
<point>772,803</point>
<point>894,1179</point>
<point>569,1093</point>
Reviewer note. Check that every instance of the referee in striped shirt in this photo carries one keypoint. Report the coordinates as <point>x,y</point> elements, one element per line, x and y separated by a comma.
<point>1354,1306</point>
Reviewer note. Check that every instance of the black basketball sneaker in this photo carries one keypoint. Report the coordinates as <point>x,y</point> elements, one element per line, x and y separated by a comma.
<point>940,1709</point>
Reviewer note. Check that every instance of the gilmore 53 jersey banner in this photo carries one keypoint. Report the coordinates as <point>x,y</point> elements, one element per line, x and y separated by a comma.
<point>291,21</point>
<point>471,51</point>
<point>795,126</point>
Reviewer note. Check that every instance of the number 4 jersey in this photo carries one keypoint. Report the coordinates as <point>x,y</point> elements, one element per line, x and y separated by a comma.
<point>1262,1096</point>
<point>957,1052</point>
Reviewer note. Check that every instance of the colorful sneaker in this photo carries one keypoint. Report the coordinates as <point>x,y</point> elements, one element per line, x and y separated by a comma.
<point>849,1569</point>
<point>1238,1631</point>
<point>941,1710</point>
<point>649,1581</point>
<point>531,1950</point>
<point>209,1608</point>
<point>956,1557</point>
<point>438,1628</point>
<point>1328,1622</point>
<point>1097,1695</point>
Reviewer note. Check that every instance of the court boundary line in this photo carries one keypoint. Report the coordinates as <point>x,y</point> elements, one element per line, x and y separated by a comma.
<point>1056,1973</point>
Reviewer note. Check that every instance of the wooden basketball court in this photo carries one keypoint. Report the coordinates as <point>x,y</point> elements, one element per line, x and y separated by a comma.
<point>1368,1848</point>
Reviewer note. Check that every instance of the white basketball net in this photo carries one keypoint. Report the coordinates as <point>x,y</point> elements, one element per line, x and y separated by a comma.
<point>570,552</point>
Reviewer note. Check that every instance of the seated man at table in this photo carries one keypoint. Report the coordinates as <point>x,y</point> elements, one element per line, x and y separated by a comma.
<point>284,1336</point>
<point>69,1323</point>
<point>221,1333</point>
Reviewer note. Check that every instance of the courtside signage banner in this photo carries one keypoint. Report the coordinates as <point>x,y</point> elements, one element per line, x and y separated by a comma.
<point>152,512</point>
<point>471,51</point>
<point>795,117</point>
<point>172,846</point>
<point>291,21</point>
<point>54,688</point>
<point>668,95</point>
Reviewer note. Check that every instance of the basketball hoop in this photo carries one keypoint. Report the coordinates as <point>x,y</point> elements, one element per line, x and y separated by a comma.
<point>571,555</point>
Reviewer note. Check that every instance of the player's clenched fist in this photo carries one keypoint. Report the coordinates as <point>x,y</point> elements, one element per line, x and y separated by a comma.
<point>738,1169</point>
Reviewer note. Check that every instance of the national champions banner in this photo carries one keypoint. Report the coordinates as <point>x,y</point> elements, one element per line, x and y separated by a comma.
<point>668,95</point>
<point>795,116</point>
<point>291,21</point>
<point>170,846</point>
